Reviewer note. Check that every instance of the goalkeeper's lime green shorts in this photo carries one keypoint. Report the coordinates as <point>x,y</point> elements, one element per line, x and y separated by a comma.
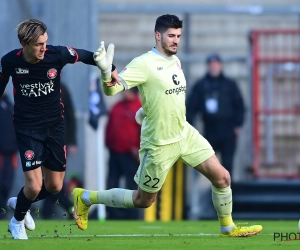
<point>156,160</point>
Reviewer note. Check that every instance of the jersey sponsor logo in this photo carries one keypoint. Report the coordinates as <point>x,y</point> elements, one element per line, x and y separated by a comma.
<point>174,78</point>
<point>71,51</point>
<point>37,89</point>
<point>28,164</point>
<point>36,163</point>
<point>160,68</point>
<point>51,73</point>
<point>175,90</point>
<point>29,155</point>
<point>21,71</point>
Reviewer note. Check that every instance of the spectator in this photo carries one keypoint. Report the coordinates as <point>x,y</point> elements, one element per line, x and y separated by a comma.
<point>220,103</point>
<point>62,198</point>
<point>8,152</point>
<point>123,148</point>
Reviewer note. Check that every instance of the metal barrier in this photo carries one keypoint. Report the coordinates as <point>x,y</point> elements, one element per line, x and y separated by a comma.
<point>276,103</point>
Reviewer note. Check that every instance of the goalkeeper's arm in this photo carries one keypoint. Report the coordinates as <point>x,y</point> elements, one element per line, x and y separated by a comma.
<point>112,90</point>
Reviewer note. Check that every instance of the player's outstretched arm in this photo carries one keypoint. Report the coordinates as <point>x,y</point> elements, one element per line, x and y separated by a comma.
<point>110,89</point>
<point>87,57</point>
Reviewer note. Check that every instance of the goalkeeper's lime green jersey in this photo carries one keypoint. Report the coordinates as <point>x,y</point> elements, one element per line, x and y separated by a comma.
<point>162,86</point>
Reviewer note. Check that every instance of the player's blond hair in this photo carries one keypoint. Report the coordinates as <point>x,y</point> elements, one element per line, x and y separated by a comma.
<point>30,30</point>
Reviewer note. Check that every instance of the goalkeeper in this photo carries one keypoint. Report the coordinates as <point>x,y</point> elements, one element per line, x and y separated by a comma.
<point>166,136</point>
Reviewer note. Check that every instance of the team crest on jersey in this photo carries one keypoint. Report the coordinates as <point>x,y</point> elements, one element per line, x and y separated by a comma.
<point>29,155</point>
<point>52,73</point>
<point>175,80</point>
<point>72,51</point>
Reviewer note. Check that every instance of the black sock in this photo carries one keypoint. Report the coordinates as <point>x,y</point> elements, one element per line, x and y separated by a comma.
<point>23,205</point>
<point>42,194</point>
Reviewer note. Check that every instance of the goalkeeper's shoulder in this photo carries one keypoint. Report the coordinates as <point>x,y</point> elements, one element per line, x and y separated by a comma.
<point>177,59</point>
<point>139,61</point>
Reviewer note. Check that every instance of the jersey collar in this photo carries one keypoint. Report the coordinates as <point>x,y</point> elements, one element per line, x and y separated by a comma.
<point>154,50</point>
<point>19,52</point>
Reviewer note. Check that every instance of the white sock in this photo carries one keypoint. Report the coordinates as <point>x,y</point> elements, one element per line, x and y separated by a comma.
<point>116,197</point>
<point>86,197</point>
<point>226,229</point>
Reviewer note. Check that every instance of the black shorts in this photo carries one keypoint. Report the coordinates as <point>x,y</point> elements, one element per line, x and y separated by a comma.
<point>42,147</point>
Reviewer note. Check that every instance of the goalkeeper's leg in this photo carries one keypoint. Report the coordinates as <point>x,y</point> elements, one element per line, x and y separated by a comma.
<point>222,199</point>
<point>116,197</point>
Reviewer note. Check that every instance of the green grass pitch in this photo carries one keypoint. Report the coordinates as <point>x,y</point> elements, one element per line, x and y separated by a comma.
<point>64,234</point>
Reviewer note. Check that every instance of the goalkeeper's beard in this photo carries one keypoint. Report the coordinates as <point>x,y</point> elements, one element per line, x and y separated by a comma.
<point>167,50</point>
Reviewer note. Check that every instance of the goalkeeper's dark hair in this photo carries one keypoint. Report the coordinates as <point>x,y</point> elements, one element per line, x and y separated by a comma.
<point>30,30</point>
<point>167,21</point>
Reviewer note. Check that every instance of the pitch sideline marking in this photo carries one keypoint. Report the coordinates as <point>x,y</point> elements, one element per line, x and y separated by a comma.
<point>114,235</point>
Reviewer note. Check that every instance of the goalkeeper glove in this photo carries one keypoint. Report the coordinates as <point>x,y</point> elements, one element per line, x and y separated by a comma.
<point>139,116</point>
<point>104,60</point>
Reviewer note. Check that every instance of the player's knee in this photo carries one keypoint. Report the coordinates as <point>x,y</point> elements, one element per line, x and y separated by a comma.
<point>54,188</point>
<point>148,203</point>
<point>144,202</point>
<point>32,189</point>
<point>227,178</point>
<point>223,180</point>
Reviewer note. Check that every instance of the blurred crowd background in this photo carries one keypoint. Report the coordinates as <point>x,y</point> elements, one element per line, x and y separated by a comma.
<point>224,28</point>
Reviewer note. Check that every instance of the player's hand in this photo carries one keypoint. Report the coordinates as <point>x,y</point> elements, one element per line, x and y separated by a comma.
<point>104,60</point>
<point>140,115</point>
<point>114,79</point>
